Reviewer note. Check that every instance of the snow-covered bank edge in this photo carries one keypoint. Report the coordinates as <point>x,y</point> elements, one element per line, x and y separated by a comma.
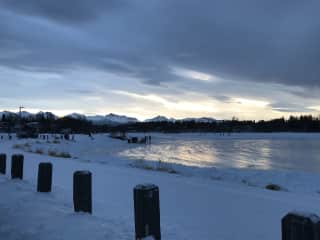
<point>292,181</point>
<point>286,180</point>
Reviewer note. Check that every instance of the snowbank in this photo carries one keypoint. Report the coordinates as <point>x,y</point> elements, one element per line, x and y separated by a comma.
<point>222,204</point>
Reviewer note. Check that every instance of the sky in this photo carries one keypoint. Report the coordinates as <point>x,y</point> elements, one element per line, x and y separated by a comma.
<point>250,59</point>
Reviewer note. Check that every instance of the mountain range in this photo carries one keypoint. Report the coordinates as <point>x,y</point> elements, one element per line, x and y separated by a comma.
<point>111,119</point>
<point>27,115</point>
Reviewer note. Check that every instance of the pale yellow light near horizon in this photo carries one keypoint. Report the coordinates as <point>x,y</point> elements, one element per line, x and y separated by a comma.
<point>179,107</point>
<point>243,108</point>
<point>315,108</point>
<point>251,102</point>
<point>191,106</point>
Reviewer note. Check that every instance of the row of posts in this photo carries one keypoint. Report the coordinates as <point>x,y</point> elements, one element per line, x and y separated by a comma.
<point>47,136</point>
<point>146,197</point>
<point>65,136</point>
<point>295,226</point>
<point>9,137</point>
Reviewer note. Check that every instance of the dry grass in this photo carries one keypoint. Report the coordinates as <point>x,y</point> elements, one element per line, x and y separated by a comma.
<point>39,151</point>
<point>17,146</point>
<point>22,146</point>
<point>53,153</point>
<point>25,147</point>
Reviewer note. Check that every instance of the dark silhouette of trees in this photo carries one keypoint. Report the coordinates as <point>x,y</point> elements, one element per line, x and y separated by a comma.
<point>304,123</point>
<point>48,123</point>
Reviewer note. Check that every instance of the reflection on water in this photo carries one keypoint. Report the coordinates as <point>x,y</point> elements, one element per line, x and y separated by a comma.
<point>298,154</point>
<point>186,153</point>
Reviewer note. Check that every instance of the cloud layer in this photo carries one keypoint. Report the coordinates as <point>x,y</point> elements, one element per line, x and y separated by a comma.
<point>169,43</point>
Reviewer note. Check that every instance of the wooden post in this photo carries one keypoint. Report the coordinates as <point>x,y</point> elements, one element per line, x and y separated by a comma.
<point>296,226</point>
<point>3,160</point>
<point>44,177</point>
<point>17,166</point>
<point>82,191</point>
<point>147,211</point>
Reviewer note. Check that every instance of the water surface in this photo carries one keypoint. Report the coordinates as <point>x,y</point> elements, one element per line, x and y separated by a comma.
<point>289,151</point>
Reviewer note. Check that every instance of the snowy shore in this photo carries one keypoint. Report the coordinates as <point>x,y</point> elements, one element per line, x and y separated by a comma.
<point>196,203</point>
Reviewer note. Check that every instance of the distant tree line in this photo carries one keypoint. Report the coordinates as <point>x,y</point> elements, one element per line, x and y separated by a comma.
<point>47,124</point>
<point>293,124</point>
<point>303,123</point>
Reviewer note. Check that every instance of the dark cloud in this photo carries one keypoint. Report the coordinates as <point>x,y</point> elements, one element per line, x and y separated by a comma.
<point>290,107</point>
<point>66,11</point>
<point>310,93</point>
<point>261,41</point>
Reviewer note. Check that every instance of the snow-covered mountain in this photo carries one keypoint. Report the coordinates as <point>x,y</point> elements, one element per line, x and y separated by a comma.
<point>165,119</point>
<point>26,115</point>
<point>120,118</point>
<point>46,115</point>
<point>199,120</point>
<point>160,119</point>
<point>112,119</point>
<point>7,114</point>
<point>76,116</point>
<point>96,118</point>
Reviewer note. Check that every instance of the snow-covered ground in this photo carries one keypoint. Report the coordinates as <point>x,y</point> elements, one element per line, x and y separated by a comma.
<point>196,202</point>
